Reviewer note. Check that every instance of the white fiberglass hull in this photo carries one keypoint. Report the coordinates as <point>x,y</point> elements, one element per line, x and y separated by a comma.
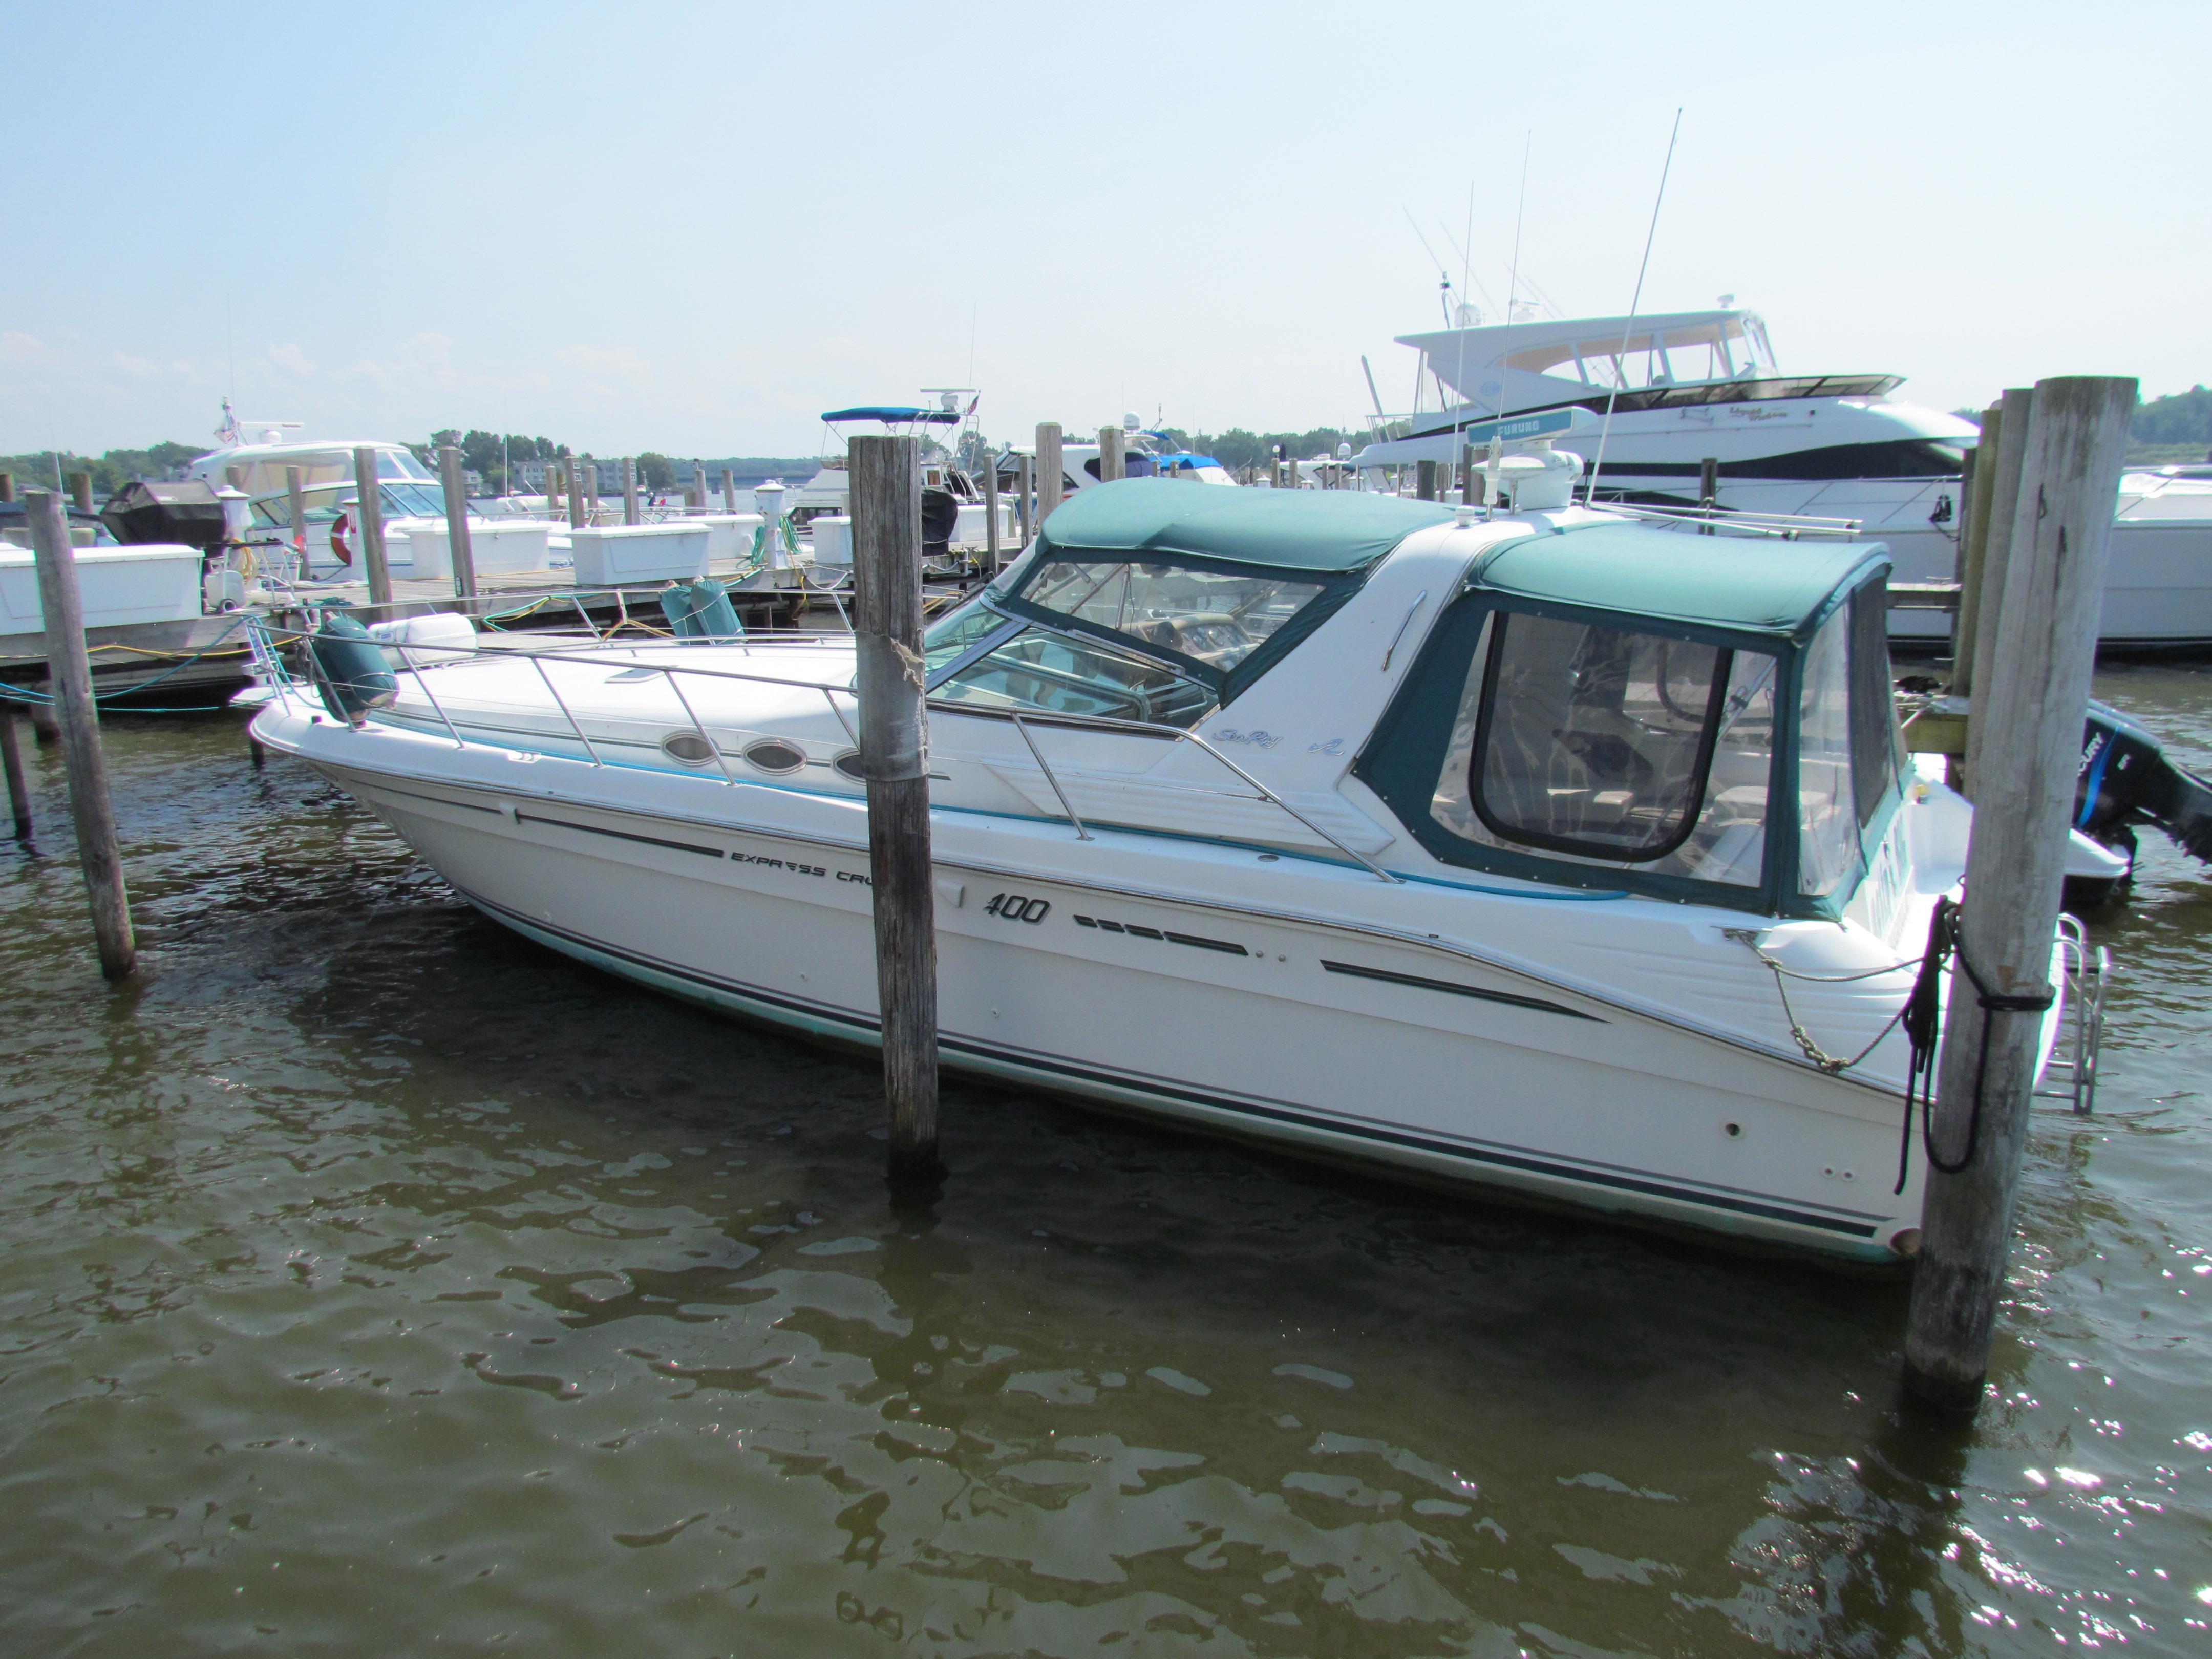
<point>1259,1010</point>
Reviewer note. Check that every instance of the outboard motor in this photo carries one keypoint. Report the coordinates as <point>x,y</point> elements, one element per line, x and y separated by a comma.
<point>2126,780</point>
<point>940,514</point>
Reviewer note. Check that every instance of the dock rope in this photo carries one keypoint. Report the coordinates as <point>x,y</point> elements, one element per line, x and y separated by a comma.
<point>1921,1011</point>
<point>1831,1063</point>
<point>23,694</point>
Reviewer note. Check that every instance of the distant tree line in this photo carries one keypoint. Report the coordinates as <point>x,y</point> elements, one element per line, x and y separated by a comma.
<point>2184,418</point>
<point>110,473</point>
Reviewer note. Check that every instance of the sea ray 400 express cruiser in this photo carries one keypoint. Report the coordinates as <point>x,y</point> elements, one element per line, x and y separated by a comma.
<point>1553,851</point>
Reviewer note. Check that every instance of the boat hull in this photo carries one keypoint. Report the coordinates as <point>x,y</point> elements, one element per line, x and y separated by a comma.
<point>1326,1040</point>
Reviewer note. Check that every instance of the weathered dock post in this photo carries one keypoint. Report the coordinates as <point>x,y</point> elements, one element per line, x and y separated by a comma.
<point>2033,684</point>
<point>7,487</point>
<point>886,504</point>
<point>1111,465</point>
<point>1025,498</point>
<point>729,489</point>
<point>1470,494</point>
<point>994,552</point>
<point>371,504</point>
<point>591,492</point>
<point>45,729</point>
<point>1709,489</point>
<point>11,760</point>
<point>1984,513</point>
<point>1425,480</point>
<point>91,809</point>
<point>79,490</point>
<point>630,514</point>
<point>2008,468</point>
<point>575,481</point>
<point>457,521</point>
<point>295,499</point>
<point>1052,473</point>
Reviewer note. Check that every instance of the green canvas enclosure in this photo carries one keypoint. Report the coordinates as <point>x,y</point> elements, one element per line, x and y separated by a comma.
<point>1629,709</point>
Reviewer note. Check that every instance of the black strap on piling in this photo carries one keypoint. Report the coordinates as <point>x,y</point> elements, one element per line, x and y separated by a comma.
<point>1922,1021</point>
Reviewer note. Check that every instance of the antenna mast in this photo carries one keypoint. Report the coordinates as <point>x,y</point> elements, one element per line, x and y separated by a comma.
<point>1628,324</point>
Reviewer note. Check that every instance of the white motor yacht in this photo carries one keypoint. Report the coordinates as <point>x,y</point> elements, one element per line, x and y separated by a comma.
<point>409,495</point>
<point>1551,850</point>
<point>1681,387</point>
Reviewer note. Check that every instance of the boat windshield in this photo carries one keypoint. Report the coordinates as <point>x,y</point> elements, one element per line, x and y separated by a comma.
<point>1150,638</point>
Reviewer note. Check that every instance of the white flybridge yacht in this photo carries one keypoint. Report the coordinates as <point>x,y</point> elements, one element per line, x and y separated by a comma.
<point>1550,850</point>
<point>411,496</point>
<point>1685,386</point>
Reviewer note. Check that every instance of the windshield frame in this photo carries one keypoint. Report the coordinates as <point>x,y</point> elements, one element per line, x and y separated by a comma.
<point>1333,589</point>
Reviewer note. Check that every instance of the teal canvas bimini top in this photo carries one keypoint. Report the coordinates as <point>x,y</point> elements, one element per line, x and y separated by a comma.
<point>1733,582</point>
<point>1325,531</point>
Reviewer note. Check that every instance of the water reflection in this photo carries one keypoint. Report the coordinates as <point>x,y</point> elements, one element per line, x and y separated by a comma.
<point>376,1281</point>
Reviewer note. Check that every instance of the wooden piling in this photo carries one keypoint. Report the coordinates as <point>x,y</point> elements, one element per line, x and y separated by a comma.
<point>91,808</point>
<point>372,526</point>
<point>1974,544</point>
<point>630,514</point>
<point>591,492</point>
<point>44,730</point>
<point>79,490</point>
<point>2018,409</point>
<point>1425,480</point>
<point>1025,497</point>
<point>729,489</point>
<point>1110,463</point>
<point>1470,493</point>
<point>885,475</point>
<point>457,521</point>
<point>1052,470</point>
<point>2028,721</point>
<point>295,498</point>
<point>993,552</point>
<point>1709,489</point>
<point>7,487</point>
<point>11,762</point>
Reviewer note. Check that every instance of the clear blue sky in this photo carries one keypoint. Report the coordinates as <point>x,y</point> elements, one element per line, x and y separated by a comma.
<point>691,226</point>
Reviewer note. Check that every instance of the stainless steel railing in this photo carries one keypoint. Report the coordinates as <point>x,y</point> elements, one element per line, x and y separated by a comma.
<point>2071,1073</point>
<point>268,639</point>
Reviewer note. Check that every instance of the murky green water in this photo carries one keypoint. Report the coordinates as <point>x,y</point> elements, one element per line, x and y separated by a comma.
<point>373,1283</point>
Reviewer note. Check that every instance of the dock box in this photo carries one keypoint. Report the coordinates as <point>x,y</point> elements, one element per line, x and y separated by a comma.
<point>729,536</point>
<point>495,546</point>
<point>120,585</point>
<point>639,553</point>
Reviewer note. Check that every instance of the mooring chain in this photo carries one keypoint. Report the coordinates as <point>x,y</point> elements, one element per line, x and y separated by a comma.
<point>1831,1063</point>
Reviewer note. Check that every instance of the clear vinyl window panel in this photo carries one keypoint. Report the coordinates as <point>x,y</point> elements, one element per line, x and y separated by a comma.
<point>1606,746</point>
<point>1204,616</point>
<point>953,635</point>
<point>1827,811</point>
<point>1041,670</point>
<point>1877,743</point>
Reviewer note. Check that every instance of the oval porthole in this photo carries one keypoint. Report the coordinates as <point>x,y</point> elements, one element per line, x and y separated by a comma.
<point>774,755</point>
<point>849,764</point>
<point>687,749</point>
